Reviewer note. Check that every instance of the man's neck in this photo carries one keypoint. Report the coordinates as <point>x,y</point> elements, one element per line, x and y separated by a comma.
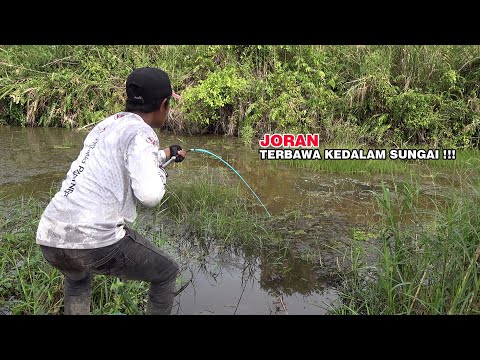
<point>147,117</point>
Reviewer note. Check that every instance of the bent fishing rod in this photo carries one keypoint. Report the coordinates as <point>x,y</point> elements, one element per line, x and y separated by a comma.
<point>228,165</point>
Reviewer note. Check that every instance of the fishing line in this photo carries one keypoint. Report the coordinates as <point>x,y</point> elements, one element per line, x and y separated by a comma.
<point>235,171</point>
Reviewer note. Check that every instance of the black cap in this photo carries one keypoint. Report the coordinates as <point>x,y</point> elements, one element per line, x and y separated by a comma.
<point>148,85</point>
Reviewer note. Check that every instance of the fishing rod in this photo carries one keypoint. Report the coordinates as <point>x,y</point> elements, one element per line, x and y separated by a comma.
<point>228,165</point>
<point>169,161</point>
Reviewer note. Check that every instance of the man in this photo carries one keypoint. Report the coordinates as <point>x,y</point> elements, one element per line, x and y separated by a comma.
<point>83,230</point>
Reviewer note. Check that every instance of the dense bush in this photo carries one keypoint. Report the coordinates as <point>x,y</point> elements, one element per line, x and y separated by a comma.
<point>385,95</point>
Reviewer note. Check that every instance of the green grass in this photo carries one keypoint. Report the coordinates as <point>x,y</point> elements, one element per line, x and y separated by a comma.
<point>414,266</point>
<point>417,260</point>
<point>66,145</point>
<point>465,159</point>
<point>29,285</point>
<point>214,207</point>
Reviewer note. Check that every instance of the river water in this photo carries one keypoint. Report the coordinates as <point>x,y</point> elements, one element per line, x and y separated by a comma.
<point>35,160</point>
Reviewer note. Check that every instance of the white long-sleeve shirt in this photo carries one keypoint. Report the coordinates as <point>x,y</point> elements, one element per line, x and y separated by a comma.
<point>120,161</point>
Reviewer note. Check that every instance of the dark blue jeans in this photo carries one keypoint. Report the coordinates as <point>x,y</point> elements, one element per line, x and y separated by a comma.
<point>131,258</point>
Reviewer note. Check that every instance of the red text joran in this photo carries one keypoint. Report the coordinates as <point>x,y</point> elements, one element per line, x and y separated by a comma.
<point>290,140</point>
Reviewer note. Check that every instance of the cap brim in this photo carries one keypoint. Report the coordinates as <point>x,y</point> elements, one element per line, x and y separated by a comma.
<point>175,95</point>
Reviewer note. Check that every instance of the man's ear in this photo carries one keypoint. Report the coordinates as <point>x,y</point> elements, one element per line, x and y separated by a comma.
<point>165,102</point>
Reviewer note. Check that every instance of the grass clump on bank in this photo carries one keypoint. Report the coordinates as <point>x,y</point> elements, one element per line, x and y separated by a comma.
<point>215,208</point>
<point>465,159</point>
<point>418,267</point>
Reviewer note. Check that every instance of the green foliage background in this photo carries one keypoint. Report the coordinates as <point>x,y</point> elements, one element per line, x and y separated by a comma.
<point>375,95</point>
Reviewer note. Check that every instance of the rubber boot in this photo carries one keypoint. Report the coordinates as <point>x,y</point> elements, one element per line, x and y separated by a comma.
<point>154,308</point>
<point>77,305</point>
<point>164,307</point>
<point>78,295</point>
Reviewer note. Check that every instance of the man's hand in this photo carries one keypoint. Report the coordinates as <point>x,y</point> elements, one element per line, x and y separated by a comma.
<point>176,150</point>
